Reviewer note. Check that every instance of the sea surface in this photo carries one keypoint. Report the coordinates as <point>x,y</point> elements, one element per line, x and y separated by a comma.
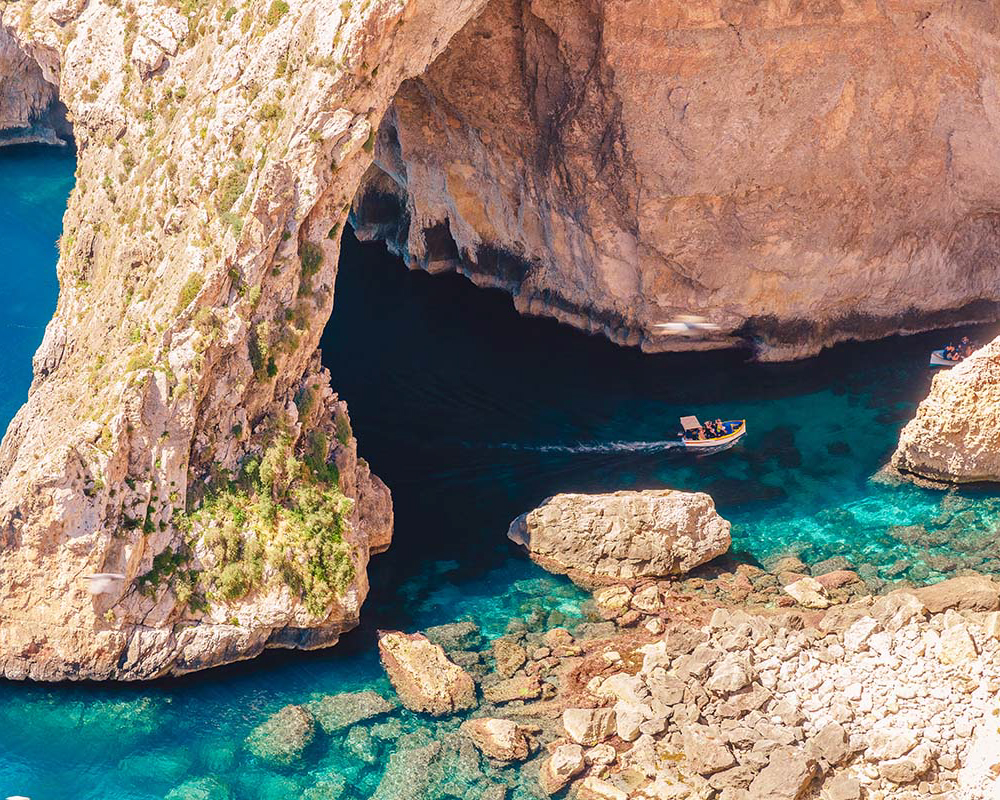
<point>473,415</point>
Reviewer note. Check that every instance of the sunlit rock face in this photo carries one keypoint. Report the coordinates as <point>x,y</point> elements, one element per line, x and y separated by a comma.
<point>955,435</point>
<point>795,173</point>
<point>181,431</point>
<point>29,108</point>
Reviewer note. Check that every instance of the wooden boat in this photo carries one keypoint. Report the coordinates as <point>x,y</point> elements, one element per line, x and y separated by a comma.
<point>735,429</point>
<point>938,359</point>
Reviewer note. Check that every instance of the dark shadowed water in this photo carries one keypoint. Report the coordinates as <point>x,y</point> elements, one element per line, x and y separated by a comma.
<point>472,415</point>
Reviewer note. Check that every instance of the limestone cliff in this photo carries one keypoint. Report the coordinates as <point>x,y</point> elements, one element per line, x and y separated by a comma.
<point>180,430</point>
<point>29,108</point>
<point>955,435</point>
<point>796,173</point>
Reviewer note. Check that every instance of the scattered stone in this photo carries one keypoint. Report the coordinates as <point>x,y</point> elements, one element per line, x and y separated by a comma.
<point>837,579</point>
<point>338,711</point>
<point>283,737</point>
<point>593,788</point>
<point>520,687</point>
<point>831,744</point>
<point>897,609</point>
<point>728,676</point>
<point>565,763</point>
<point>907,768</point>
<point>706,750</point>
<point>787,776</point>
<point>509,657</point>
<point>889,743</point>
<point>588,726</point>
<point>956,645</point>
<point>423,677</point>
<point>613,601</point>
<point>856,637</point>
<point>808,592</point>
<point>499,739</point>
<point>841,787</point>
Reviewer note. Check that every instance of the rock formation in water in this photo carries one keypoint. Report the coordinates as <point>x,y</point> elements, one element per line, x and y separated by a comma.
<point>955,435</point>
<point>606,538</point>
<point>180,431</point>
<point>795,173</point>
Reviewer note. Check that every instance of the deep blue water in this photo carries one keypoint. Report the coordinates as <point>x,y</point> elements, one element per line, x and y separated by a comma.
<point>34,185</point>
<point>472,415</point>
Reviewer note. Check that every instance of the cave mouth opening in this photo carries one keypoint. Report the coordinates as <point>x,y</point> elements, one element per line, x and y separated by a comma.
<point>473,414</point>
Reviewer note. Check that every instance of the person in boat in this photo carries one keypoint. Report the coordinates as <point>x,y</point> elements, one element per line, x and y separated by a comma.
<point>720,427</point>
<point>951,353</point>
<point>966,347</point>
<point>710,429</point>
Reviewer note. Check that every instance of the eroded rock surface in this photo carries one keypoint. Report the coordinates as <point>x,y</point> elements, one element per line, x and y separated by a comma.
<point>795,173</point>
<point>29,108</point>
<point>180,430</point>
<point>955,435</point>
<point>422,675</point>
<point>604,538</point>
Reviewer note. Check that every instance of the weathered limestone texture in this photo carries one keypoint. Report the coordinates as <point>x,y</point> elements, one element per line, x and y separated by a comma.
<point>795,173</point>
<point>955,435</point>
<point>29,109</point>
<point>180,430</point>
<point>607,538</point>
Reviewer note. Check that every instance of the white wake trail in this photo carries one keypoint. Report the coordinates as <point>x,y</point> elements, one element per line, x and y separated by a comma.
<point>595,447</point>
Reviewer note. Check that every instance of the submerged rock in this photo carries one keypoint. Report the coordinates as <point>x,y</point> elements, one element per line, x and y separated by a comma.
<point>422,675</point>
<point>337,711</point>
<point>602,538</point>
<point>282,739</point>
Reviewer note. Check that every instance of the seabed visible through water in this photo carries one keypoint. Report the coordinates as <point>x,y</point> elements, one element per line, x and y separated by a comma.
<point>473,415</point>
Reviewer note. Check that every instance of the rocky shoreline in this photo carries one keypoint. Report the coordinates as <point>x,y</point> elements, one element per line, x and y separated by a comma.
<point>682,694</point>
<point>732,682</point>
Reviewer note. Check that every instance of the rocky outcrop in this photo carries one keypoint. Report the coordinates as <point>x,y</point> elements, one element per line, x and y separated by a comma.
<point>607,538</point>
<point>499,739</point>
<point>422,675</point>
<point>29,108</point>
<point>796,174</point>
<point>955,435</point>
<point>180,431</point>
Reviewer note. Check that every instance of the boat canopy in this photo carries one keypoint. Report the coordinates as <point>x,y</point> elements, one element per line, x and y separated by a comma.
<point>690,423</point>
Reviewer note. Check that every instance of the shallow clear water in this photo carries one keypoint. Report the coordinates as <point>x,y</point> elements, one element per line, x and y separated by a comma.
<point>473,415</point>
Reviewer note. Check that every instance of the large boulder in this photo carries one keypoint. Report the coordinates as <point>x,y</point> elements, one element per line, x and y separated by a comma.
<point>603,538</point>
<point>955,435</point>
<point>967,593</point>
<point>422,675</point>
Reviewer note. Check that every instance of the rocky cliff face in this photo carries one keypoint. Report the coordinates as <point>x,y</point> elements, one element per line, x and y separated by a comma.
<point>29,108</point>
<point>955,435</point>
<point>180,433</point>
<point>795,173</point>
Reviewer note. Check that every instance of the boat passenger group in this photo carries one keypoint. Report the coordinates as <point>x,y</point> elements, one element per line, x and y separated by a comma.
<point>962,350</point>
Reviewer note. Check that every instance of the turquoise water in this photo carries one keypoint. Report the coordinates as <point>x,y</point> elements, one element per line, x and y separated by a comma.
<point>34,185</point>
<point>473,415</point>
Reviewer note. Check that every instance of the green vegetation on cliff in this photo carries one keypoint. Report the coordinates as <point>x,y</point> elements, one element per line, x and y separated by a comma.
<point>282,518</point>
